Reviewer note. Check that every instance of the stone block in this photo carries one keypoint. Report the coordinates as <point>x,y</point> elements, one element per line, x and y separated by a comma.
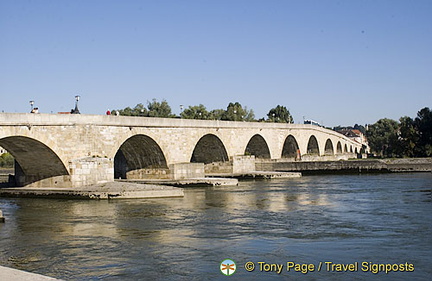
<point>187,170</point>
<point>243,164</point>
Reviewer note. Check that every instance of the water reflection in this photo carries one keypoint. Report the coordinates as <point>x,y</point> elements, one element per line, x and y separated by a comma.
<point>381,218</point>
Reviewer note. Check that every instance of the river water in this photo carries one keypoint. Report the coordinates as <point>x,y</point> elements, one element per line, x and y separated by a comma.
<point>343,219</point>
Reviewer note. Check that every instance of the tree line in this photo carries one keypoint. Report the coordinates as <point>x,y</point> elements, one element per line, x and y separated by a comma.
<point>404,138</point>
<point>234,112</point>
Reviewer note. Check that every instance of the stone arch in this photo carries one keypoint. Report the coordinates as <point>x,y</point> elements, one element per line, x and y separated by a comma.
<point>312,147</point>
<point>328,149</point>
<point>258,146</point>
<point>346,148</point>
<point>209,149</point>
<point>35,161</point>
<point>351,150</point>
<point>290,147</point>
<point>339,148</point>
<point>356,151</point>
<point>139,156</point>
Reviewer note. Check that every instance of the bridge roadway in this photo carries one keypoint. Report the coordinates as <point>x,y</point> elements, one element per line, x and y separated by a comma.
<point>62,150</point>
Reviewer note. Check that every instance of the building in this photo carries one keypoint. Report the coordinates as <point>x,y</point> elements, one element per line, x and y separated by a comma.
<point>356,136</point>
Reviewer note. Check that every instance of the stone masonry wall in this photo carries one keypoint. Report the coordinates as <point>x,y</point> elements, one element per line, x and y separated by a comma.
<point>243,164</point>
<point>187,170</point>
<point>91,170</point>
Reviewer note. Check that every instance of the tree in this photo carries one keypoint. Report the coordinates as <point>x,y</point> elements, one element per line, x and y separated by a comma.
<point>159,109</point>
<point>423,124</point>
<point>153,109</point>
<point>6,160</point>
<point>280,114</point>
<point>138,110</point>
<point>408,137</point>
<point>196,112</point>
<point>217,114</point>
<point>383,137</point>
<point>235,112</point>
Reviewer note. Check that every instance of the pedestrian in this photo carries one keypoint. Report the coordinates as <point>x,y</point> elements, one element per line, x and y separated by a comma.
<point>108,112</point>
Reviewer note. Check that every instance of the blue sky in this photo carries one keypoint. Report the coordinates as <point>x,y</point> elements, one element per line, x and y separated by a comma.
<point>338,62</point>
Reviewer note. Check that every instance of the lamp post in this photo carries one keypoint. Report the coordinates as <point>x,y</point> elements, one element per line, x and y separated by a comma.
<point>181,109</point>
<point>76,110</point>
<point>31,104</point>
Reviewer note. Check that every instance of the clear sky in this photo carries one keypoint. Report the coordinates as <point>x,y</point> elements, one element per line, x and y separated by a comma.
<point>337,62</point>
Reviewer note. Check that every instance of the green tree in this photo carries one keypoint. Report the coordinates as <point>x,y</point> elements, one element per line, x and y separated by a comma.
<point>423,124</point>
<point>159,109</point>
<point>280,114</point>
<point>195,112</point>
<point>235,112</point>
<point>138,110</point>
<point>383,137</point>
<point>408,137</point>
<point>153,109</point>
<point>217,114</point>
<point>6,160</point>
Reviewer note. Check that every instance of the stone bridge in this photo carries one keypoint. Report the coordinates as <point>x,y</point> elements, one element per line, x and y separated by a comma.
<point>77,150</point>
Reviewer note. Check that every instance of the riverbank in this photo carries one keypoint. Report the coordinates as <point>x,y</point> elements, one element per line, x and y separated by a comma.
<point>110,190</point>
<point>349,166</point>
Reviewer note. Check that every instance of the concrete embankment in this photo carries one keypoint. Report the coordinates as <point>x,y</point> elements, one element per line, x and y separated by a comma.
<point>111,190</point>
<point>350,166</point>
<point>191,182</point>
<point>11,274</point>
<point>259,175</point>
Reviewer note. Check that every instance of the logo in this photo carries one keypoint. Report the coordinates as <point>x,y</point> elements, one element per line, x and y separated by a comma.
<point>228,267</point>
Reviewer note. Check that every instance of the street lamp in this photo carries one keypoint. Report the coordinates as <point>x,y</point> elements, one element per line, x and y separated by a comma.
<point>31,104</point>
<point>76,110</point>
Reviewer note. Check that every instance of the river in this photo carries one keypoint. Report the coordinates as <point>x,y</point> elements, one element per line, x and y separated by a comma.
<point>361,220</point>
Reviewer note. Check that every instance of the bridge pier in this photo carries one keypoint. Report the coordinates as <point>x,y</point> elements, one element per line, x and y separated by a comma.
<point>82,172</point>
<point>90,171</point>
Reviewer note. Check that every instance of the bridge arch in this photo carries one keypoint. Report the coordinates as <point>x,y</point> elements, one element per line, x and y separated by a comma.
<point>346,148</point>
<point>137,155</point>
<point>209,149</point>
<point>258,146</point>
<point>339,148</point>
<point>312,147</point>
<point>290,147</point>
<point>35,159</point>
<point>328,149</point>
